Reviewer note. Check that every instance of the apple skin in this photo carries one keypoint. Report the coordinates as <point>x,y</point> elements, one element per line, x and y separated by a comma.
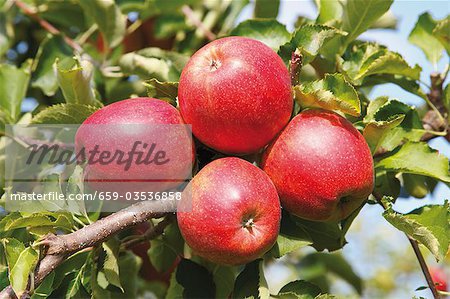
<point>439,278</point>
<point>321,166</point>
<point>235,215</point>
<point>236,93</point>
<point>103,128</point>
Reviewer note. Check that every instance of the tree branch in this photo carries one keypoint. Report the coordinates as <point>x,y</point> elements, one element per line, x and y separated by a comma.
<point>46,25</point>
<point>58,247</point>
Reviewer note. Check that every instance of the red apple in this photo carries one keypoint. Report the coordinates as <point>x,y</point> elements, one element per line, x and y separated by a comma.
<point>235,214</point>
<point>129,124</point>
<point>236,93</point>
<point>321,166</point>
<point>439,278</point>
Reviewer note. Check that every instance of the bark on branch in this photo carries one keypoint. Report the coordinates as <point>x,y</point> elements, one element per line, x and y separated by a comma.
<point>58,247</point>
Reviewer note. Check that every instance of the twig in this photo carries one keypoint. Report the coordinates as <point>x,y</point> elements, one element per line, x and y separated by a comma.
<point>424,267</point>
<point>419,256</point>
<point>151,233</point>
<point>46,25</point>
<point>190,15</point>
<point>295,66</point>
<point>58,247</point>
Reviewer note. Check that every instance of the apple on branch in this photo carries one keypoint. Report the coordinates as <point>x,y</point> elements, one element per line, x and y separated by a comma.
<point>235,212</point>
<point>321,166</point>
<point>236,93</point>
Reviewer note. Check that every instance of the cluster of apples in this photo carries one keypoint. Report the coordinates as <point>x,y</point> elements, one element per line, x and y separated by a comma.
<point>236,92</point>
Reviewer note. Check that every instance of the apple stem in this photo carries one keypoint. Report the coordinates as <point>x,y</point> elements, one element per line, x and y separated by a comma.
<point>215,64</point>
<point>248,223</point>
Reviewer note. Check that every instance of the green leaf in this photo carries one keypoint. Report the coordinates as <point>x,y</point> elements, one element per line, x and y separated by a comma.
<point>195,279</point>
<point>365,59</point>
<point>64,114</point>
<point>270,32</point>
<point>175,290</point>
<point>333,263</point>
<point>168,25</point>
<point>166,91</point>
<point>266,8</point>
<point>291,238</point>
<point>5,32</point>
<point>52,220</point>
<point>161,255</point>
<point>299,289</point>
<point>428,225</point>
<point>75,80</point>
<point>332,93</point>
<point>111,265</point>
<point>75,286</point>
<point>392,124</point>
<point>329,11</point>
<point>71,265</point>
<point>164,251</point>
<point>422,36</point>
<point>417,158</point>
<point>23,268</point>
<point>442,33</point>
<point>110,20</point>
<point>386,184</point>
<point>415,185</point>
<point>373,107</point>
<point>13,88</point>
<point>359,15</point>
<point>309,40</point>
<point>375,131</point>
<point>224,277</point>
<point>45,288</point>
<point>13,249</point>
<point>251,282</point>
<point>325,235</point>
<point>231,14</point>
<point>165,66</point>
<point>129,265</point>
<point>386,21</point>
<point>52,48</point>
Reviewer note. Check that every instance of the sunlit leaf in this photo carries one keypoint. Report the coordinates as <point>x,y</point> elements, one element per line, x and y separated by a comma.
<point>417,158</point>
<point>166,91</point>
<point>110,20</point>
<point>23,268</point>
<point>442,33</point>
<point>359,15</point>
<point>332,93</point>
<point>309,40</point>
<point>111,265</point>
<point>75,80</point>
<point>13,88</point>
<point>268,31</point>
<point>423,37</point>
<point>428,225</point>
<point>64,114</point>
<point>365,59</point>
